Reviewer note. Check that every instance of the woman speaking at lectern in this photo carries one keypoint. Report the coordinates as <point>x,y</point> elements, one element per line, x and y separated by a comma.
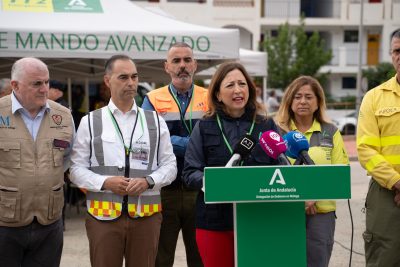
<point>234,114</point>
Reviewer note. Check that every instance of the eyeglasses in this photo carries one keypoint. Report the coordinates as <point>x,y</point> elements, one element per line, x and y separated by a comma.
<point>395,52</point>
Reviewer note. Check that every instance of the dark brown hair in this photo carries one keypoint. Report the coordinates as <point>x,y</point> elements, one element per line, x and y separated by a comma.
<point>215,85</point>
<point>110,62</point>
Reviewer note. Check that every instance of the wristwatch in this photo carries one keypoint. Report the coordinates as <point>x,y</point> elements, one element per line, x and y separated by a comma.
<point>150,181</point>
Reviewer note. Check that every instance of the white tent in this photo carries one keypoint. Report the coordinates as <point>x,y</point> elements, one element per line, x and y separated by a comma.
<point>255,63</point>
<point>74,37</point>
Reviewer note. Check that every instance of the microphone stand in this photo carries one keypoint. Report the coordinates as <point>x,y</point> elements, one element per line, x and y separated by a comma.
<point>299,161</point>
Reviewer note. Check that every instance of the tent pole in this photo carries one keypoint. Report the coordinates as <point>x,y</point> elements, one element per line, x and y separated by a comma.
<point>69,93</point>
<point>87,94</point>
<point>265,89</point>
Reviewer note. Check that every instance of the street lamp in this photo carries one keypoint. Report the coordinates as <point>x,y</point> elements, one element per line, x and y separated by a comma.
<point>359,72</point>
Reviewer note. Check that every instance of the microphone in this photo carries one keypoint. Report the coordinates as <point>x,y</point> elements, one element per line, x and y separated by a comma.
<point>242,149</point>
<point>298,146</point>
<point>274,145</point>
<point>298,161</point>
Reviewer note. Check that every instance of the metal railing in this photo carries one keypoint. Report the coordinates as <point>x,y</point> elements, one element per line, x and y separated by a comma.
<point>294,8</point>
<point>233,3</point>
<point>349,56</point>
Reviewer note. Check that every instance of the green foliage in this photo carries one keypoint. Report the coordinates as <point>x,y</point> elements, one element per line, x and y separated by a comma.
<point>199,83</point>
<point>379,74</point>
<point>293,53</point>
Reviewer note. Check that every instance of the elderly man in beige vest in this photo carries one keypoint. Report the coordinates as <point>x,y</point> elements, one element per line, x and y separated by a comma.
<point>36,135</point>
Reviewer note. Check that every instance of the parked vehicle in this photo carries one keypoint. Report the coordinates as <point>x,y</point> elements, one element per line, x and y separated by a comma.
<point>347,124</point>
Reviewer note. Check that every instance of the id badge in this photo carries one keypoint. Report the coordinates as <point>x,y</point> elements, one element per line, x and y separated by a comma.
<point>140,153</point>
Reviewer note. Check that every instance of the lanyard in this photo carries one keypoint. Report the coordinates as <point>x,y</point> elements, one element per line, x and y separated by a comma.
<point>190,127</point>
<point>116,126</point>
<point>223,135</point>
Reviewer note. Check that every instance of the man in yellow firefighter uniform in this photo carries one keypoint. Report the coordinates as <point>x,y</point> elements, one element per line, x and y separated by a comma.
<point>36,136</point>
<point>181,104</point>
<point>123,156</point>
<point>378,145</point>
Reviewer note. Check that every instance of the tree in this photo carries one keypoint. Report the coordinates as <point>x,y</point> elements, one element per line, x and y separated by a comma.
<point>292,53</point>
<point>379,74</point>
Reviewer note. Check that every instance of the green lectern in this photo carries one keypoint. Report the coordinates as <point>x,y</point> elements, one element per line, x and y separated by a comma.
<point>269,207</point>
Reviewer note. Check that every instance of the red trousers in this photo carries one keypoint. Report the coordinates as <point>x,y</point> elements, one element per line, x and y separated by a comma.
<point>216,248</point>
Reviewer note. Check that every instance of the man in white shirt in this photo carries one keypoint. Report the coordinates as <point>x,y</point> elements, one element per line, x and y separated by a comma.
<point>123,157</point>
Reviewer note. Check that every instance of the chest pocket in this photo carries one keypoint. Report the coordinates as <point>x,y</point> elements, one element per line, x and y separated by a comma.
<point>213,148</point>
<point>321,146</point>
<point>105,144</point>
<point>58,156</point>
<point>386,116</point>
<point>10,154</point>
<point>163,104</point>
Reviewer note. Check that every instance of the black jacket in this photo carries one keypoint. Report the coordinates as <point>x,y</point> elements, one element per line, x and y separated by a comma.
<point>207,148</point>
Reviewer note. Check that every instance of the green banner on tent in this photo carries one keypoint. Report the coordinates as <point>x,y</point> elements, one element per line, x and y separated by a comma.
<point>86,6</point>
<point>66,42</point>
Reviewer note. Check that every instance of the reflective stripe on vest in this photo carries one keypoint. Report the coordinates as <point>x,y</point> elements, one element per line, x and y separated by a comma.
<point>104,205</point>
<point>107,205</point>
<point>147,206</point>
<point>175,116</point>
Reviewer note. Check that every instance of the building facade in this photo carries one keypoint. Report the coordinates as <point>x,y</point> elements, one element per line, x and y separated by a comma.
<point>337,22</point>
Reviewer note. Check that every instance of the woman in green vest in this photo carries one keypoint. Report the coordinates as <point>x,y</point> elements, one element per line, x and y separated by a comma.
<point>303,109</point>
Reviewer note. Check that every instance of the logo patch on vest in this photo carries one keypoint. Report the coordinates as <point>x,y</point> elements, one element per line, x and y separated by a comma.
<point>5,122</point>
<point>387,111</point>
<point>201,104</point>
<point>57,119</point>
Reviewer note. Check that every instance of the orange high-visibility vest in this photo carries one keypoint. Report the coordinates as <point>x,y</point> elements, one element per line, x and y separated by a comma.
<point>165,105</point>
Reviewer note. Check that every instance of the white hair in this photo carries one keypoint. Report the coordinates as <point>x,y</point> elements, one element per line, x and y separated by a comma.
<point>19,67</point>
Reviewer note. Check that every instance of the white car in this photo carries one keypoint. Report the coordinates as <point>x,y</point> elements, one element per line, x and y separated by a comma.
<point>346,124</point>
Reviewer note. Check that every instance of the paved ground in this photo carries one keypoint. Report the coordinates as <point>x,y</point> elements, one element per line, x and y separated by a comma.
<point>75,252</point>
